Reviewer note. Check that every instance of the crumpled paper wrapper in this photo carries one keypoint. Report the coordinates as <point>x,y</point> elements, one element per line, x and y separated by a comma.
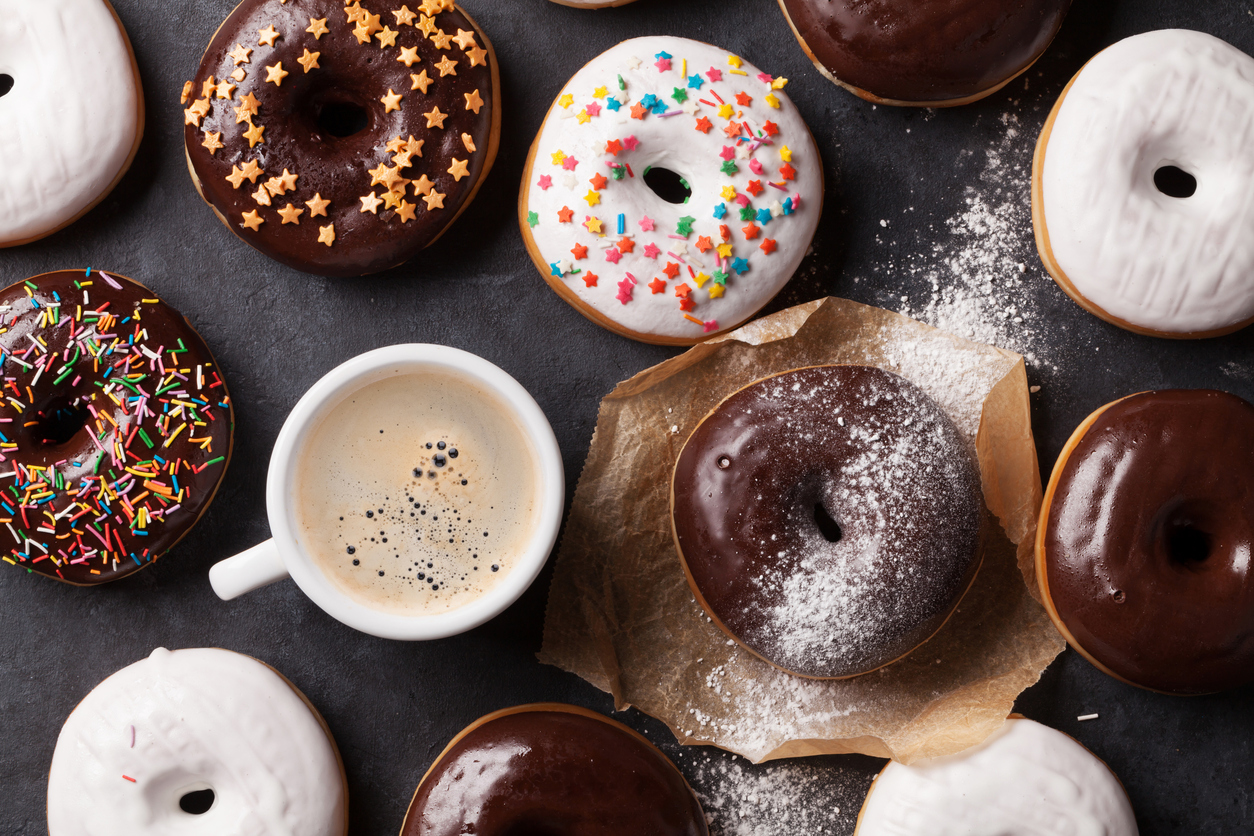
<point>621,615</point>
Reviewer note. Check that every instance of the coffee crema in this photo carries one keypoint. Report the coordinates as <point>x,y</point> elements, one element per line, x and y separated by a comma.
<point>417,493</point>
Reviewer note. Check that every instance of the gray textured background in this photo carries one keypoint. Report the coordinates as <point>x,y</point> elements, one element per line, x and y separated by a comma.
<point>1188,764</point>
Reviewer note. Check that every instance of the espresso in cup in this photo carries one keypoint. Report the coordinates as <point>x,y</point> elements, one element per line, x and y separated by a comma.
<point>417,493</point>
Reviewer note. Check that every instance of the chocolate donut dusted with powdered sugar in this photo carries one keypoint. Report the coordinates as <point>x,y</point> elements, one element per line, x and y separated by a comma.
<point>828,518</point>
<point>341,139</point>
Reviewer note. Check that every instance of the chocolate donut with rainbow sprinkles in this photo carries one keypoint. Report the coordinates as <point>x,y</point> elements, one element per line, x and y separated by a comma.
<point>672,191</point>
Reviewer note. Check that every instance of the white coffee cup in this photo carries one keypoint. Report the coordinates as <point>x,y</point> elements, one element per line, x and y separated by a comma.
<point>283,556</point>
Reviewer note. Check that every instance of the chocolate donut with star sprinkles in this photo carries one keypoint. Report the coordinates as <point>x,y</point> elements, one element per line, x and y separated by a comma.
<point>341,139</point>
<point>115,426</point>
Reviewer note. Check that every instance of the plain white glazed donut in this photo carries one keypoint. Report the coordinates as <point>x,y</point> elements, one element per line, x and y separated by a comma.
<point>72,121</point>
<point>1025,780</point>
<point>628,259</point>
<point>1144,260</point>
<point>188,721</point>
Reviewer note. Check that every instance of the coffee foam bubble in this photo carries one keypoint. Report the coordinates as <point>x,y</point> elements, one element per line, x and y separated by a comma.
<point>417,493</point>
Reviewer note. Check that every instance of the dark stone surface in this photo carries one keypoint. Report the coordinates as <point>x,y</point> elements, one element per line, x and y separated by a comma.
<point>1188,764</point>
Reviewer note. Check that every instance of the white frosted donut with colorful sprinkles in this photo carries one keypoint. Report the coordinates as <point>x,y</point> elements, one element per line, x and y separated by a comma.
<point>711,125</point>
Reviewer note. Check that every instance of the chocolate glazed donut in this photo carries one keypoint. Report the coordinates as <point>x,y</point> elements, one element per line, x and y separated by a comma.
<point>1144,550</point>
<point>342,139</point>
<point>934,54</point>
<point>552,770</point>
<point>828,518</point>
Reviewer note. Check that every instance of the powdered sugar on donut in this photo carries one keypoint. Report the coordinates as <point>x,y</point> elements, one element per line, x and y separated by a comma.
<point>727,129</point>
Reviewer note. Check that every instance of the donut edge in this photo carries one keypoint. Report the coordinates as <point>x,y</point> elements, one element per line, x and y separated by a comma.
<point>1046,251</point>
<point>610,4</point>
<point>866,95</point>
<point>230,446</point>
<point>1042,557</point>
<point>572,298</point>
<point>1012,716</point>
<point>981,548</point>
<point>140,117</point>
<point>562,708</point>
<point>494,143</point>
<point>326,729</point>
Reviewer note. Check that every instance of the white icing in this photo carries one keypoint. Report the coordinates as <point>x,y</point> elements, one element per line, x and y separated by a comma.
<point>673,143</point>
<point>190,720</point>
<point>1179,265</point>
<point>1025,780</point>
<point>69,124</point>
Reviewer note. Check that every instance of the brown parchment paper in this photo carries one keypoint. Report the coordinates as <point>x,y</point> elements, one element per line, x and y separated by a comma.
<point>621,615</point>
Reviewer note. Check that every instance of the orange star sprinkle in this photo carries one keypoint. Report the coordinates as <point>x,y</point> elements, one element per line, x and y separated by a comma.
<point>267,36</point>
<point>247,109</point>
<point>565,214</point>
<point>240,54</point>
<point>391,102</point>
<point>309,60</point>
<point>371,203</point>
<point>459,169</point>
<point>276,74</point>
<point>435,119</point>
<point>404,17</point>
<point>638,111</point>
<point>465,39</point>
<point>252,171</point>
<point>478,57</point>
<point>252,220</point>
<point>580,252</point>
<point>434,200</point>
<point>409,56</point>
<point>317,206</point>
<point>768,246</point>
<point>236,178</point>
<point>224,90</point>
<point>426,25</point>
<point>469,142</point>
<point>423,185</point>
<point>613,147</point>
<point>253,135</point>
<point>326,234</point>
<point>474,101</point>
<point>317,28</point>
<point>704,244</point>
<point>598,181</point>
<point>212,141</point>
<point>440,38</point>
<point>421,82</point>
<point>386,37</point>
<point>447,66</point>
<point>262,195</point>
<point>704,125</point>
<point>751,231</point>
<point>406,211</point>
<point>291,215</point>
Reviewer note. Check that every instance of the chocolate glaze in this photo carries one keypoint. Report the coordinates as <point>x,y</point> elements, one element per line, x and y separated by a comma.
<point>1149,539</point>
<point>553,773</point>
<point>338,168</point>
<point>885,464</point>
<point>933,51</point>
<point>93,493</point>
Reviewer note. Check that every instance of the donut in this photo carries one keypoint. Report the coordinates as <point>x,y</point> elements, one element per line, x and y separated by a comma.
<point>115,426</point>
<point>1025,780</point>
<point>671,192</point>
<point>937,54</point>
<point>1144,543</point>
<point>552,768</point>
<point>1143,186</point>
<point>828,518</point>
<point>196,741</point>
<point>341,139</point>
<point>72,110</point>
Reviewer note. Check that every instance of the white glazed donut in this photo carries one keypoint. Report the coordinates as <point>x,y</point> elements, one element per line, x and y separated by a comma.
<point>184,722</point>
<point>625,257</point>
<point>71,121</point>
<point>1116,242</point>
<point>1025,780</point>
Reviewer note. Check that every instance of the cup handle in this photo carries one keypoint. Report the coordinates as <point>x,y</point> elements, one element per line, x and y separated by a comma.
<point>246,571</point>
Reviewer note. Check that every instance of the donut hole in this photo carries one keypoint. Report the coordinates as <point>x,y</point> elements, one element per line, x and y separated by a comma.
<point>6,84</point>
<point>1175,182</point>
<point>828,527</point>
<point>1187,544</point>
<point>342,119</point>
<point>197,802</point>
<point>667,185</point>
<point>58,422</point>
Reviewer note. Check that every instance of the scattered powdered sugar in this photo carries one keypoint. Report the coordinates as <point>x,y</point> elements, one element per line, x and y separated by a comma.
<point>782,798</point>
<point>985,274</point>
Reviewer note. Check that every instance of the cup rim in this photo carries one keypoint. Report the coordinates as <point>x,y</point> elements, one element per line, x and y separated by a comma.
<point>347,378</point>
